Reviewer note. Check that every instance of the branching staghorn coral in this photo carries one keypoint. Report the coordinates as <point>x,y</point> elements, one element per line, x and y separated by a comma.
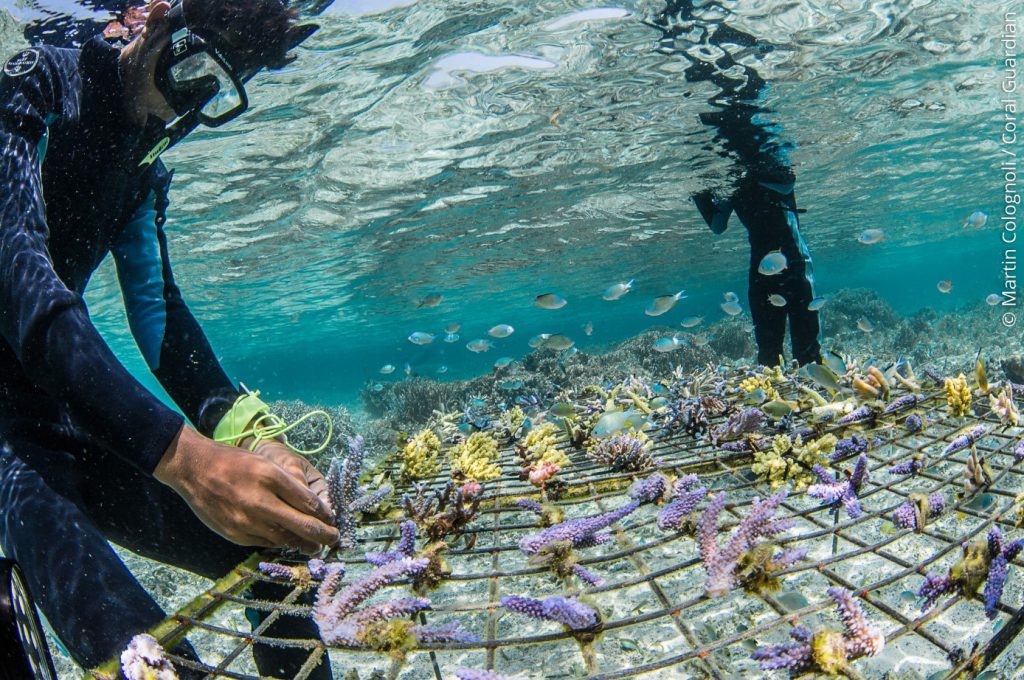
<point>476,458</point>
<point>752,383</point>
<point>650,489</point>
<point>826,651</point>
<point>300,574</point>
<point>916,512</point>
<point>969,438</point>
<point>841,492</point>
<point>1004,407</point>
<point>406,546</point>
<point>444,515</point>
<point>539,446</point>
<point>847,448</point>
<point>479,674</point>
<point>687,493</point>
<point>958,395</point>
<point>721,563</point>
<point>791,459</point>
<point>420,456</point>
<point>384,627</point>
<point>511,422</point>
<point>628,452</point>
<point>547,514</point>
<point>983,561</point>
<point>977,471</point>
<point>555,545</point>
<point>911,466</point>
<point>903,403</point>
<point>737,425</point>
<point>344,493</point>
<point>568,611</point>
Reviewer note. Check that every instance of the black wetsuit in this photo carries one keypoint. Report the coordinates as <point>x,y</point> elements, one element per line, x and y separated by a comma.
<point>763,197</point>
<point>79,436</point>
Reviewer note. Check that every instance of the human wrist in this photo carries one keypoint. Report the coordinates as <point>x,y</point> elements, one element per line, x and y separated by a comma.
<point>178,458</point>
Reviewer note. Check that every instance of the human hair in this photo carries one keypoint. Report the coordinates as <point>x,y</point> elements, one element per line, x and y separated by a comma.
<point>254,33</point>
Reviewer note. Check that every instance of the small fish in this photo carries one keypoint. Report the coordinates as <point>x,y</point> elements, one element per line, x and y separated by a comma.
<point>479,345</point>
<point>616,421</point>
<point>836,362</point>
<point>538,340</point>
<point>779,408</point>
<point>557,342</point>
<point>668,344</point>
<point>377,387</point>
<point>994,299</point>
<point>732,308</point>
<point>615,291</point>
<point>511,384</point>
<point>869,237</point>
<point>421,338</point>
<point>503,362</point>
<point>658,402</point>
<point>663,303</point>
<point>816,304</point>
<point>453,327</point>
<point>944,286</point>
<point>432,300</point>
<point>442,369</point>
<point>777,300</point>
<point>387,368</point>
<point>691,321</point>
<point>565,355</point>
<point>562,409</point>
<point>699,340</point>
<point>451,337</point>
<point>822,375</point>
<point>477,402</point>
<point>773,263</point>
<point>550,301</point>
<point>976,220</point>
<point>407,369</point>
<point>502,330</point>
<point>588,328</point>
<point>730,296</point>
<point>865,325</point>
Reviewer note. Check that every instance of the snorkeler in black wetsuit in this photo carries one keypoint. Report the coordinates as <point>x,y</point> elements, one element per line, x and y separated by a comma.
<point>87,454</point>
<point>763,197</point>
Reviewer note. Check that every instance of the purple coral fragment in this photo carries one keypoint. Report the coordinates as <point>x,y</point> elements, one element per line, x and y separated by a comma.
<point>903,402</point>
<point>478,674</point>
<point>406,546</point>
<point>859,639</point>
<point>567,611</point>
<point>844,492</point>
<point>849,447</point>
<point>687,493</point>
<point>334,612</point>
<point>913,423</point>
<point>906,515</point>
<point>649,490</point>
<point>342,481</point>
<point>855,415</point>
<point>578,532</point>
<point>720,562</point>
<point>1001,554</point>
<point>966,439</point>
<point>737,425</point>
<point>907,467</point>
<point>1018,452</point>
<point>530,505</point>
<point>276,570</point>
<point>933,588</point>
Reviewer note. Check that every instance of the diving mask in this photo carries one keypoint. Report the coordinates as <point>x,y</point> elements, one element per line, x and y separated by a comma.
<point>196,77</point>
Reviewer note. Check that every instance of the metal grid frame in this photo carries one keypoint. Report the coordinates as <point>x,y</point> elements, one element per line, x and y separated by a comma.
<point>697,651</point>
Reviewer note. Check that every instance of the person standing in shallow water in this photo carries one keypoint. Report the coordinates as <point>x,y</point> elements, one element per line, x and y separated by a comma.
<point>87,454</point>
<point>763,195</point>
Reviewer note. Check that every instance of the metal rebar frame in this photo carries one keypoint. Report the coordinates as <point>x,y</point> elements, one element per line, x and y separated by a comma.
<point>656,615</point>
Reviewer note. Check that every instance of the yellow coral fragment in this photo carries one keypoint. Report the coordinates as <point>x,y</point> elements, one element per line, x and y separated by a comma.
<point>539,446</point>
<point>476,458</point>
<point>792,460</point>
<point>754,383</point>
<point>1003,406</point>
<point>958,395</point>
<point>420,456</point>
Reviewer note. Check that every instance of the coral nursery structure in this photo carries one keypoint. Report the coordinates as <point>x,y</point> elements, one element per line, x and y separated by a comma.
<point>821,527</point>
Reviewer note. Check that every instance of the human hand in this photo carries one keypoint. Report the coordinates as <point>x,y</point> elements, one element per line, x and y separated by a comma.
<point>297,466</point>
<point>248,499</point>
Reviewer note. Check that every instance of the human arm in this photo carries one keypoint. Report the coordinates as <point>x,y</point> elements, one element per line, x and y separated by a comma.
<point>44,322</point>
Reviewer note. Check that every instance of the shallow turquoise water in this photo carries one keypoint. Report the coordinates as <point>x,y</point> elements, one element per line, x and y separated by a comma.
<point>385,165</point>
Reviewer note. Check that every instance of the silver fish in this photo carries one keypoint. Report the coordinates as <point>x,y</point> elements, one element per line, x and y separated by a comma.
<point>550,301</point>
<point>617,290</point>
<point>664,303</point>
<point>421,338</point>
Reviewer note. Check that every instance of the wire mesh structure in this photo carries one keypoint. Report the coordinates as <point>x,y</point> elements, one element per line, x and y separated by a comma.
<point>657,620</point>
